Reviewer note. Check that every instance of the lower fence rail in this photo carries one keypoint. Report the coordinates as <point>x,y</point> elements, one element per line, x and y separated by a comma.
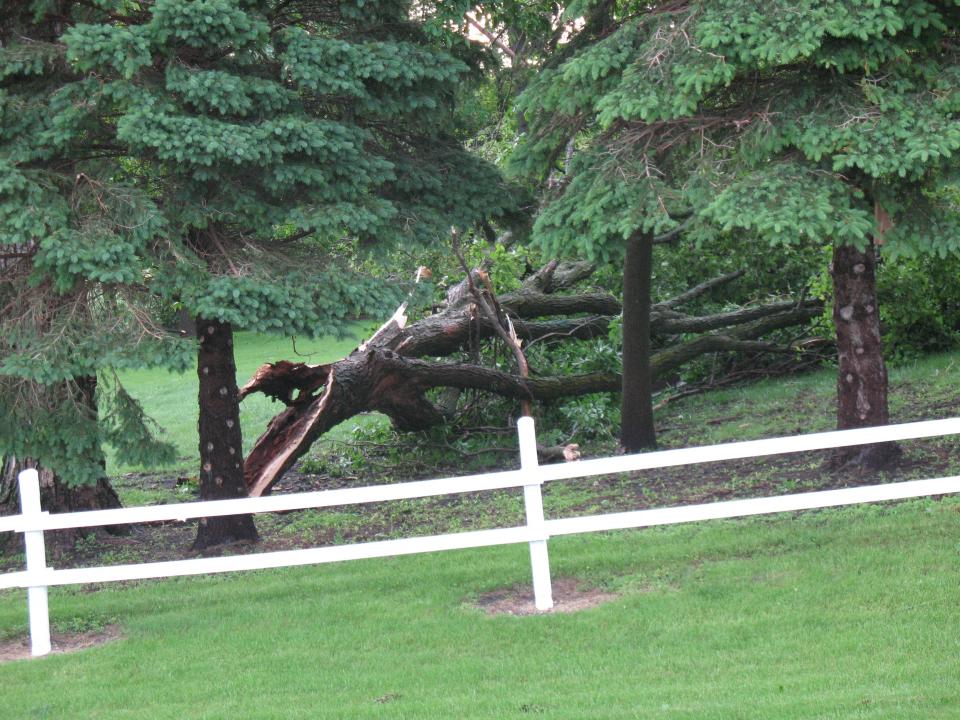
<point>38,577</point>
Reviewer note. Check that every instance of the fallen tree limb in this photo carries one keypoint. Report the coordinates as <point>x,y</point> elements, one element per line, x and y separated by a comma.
<point>383,381</point>
<point>700,290</point>
<point>446,332</point>
<point>387,373</point>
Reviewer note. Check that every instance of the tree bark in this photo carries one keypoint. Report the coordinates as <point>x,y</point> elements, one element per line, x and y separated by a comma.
<point>636,415</point>
<point>862,373</point>
<point>56,494</point>
<point>221,443</point>
<point>448,331</point>
<point>383,373</point>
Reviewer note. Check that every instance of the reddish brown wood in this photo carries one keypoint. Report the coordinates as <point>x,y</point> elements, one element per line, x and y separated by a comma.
<point>280,380</point>
<point>384,373</point>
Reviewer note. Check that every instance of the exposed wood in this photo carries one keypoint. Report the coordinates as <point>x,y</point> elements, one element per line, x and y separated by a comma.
<point>388,373</point>
<point>558,453</point>
<point>381,380</point>
<point>281,379</point>
<point>490,308</point>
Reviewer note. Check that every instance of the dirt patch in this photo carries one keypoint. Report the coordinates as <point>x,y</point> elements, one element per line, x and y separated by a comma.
<point>568,596</point>
<point>18,648</point>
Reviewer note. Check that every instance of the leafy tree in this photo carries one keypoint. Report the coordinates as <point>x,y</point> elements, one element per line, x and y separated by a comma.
<point>269,131</point>
<point>824,121</point>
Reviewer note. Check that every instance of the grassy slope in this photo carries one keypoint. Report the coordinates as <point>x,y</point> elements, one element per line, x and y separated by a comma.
<point>925,389</point>
<point>846,613</point>
<point>171,399</point>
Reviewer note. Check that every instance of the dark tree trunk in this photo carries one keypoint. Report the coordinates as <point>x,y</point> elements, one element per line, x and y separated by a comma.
<point>56,495</point>
<point>221,446</point>
<point>186,325</point>
<point>636,429</point>
<point>862,373</point>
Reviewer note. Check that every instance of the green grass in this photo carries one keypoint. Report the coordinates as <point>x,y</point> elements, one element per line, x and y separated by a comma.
<point>806,403</point>
<point>847,613</point>
<point>171,399</point>
<point>843,613</point>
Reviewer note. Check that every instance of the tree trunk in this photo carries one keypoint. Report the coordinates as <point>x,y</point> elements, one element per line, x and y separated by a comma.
<point>383,374</point>
<point>56,495</point>
<point>636,425</point>
<point>221,446</point>
<point>862,373</point>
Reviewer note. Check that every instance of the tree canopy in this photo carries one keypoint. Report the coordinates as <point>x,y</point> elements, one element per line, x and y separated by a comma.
<point>271,131</point>
<point>76,241</point>
<point>234,158</point>
<point>219,155</point>
<point>787,121</point>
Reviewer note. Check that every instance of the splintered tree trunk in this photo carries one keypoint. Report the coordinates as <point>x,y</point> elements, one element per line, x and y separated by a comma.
<point>385,374</point>
<point>221,446</point>
<point>637,431</point>
<point>862,374</point>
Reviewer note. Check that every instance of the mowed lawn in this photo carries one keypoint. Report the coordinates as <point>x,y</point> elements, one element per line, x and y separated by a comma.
<point>171,398</point>
<point>844,613</point>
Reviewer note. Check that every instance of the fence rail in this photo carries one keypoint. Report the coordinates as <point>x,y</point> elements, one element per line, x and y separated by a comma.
<point>33,522</point>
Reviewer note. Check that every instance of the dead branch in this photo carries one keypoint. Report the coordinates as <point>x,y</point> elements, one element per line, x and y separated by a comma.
<point>700,290</point>
<point>387,373</point>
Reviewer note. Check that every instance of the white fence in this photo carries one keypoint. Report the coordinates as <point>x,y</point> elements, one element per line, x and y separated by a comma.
<point>33,522</point>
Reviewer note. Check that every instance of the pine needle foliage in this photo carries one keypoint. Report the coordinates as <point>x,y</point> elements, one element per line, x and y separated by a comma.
<point>261,124</point>
<point>225,156</point>
<point>76,242</point>
<point>791,121</point>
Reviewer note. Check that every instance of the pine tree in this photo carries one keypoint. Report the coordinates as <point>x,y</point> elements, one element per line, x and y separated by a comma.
<point>822,121</point>
<point>268,133</point>
<point>73,242</point>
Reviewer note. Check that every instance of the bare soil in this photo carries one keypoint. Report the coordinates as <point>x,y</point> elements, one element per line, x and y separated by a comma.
<point>18,648</point>
<point>569,595</point>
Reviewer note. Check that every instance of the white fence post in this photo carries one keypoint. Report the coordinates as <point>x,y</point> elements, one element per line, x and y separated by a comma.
<point>36,561</point>
<point>533,503</point>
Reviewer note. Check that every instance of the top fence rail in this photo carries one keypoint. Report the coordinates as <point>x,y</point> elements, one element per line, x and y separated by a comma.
<point>488,481</point>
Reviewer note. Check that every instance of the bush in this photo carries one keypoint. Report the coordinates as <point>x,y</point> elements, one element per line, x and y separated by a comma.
<point>919,305</point>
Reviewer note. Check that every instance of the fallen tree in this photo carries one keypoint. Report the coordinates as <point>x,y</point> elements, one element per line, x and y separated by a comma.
<point>387,373</point>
